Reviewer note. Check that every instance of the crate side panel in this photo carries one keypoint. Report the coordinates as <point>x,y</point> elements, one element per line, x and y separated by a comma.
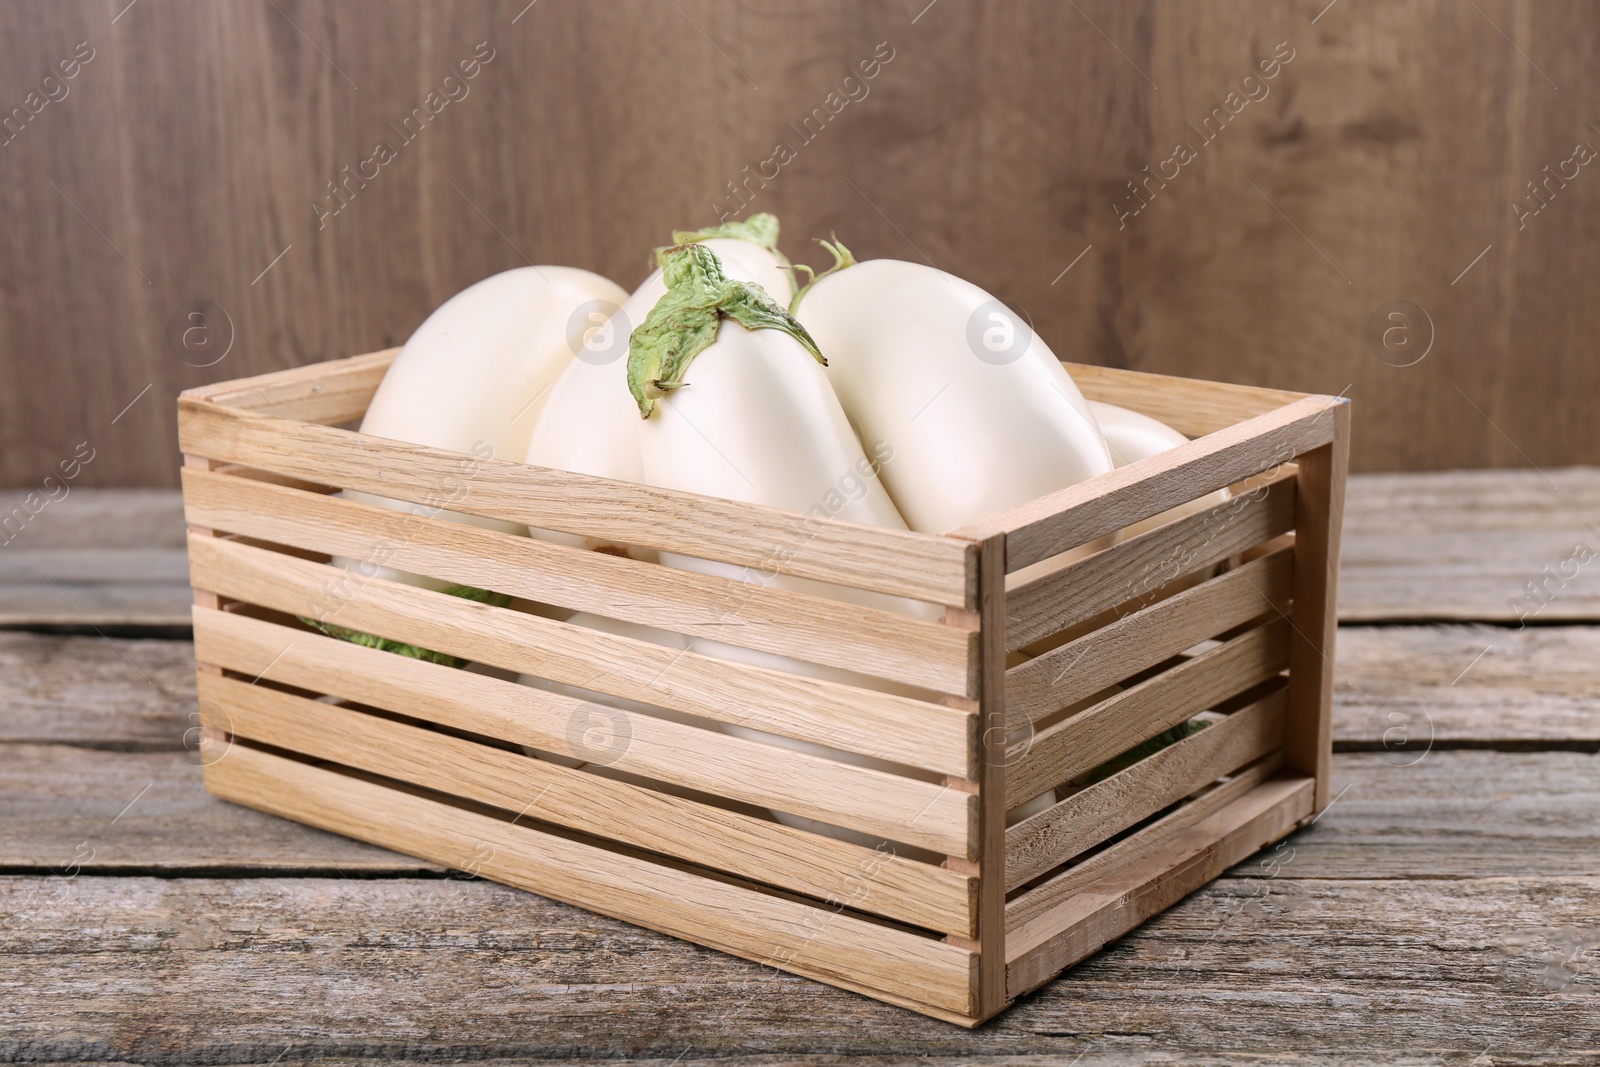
<point>782,933</point>
<point>1148,840</point>
<point>1127,897</point>
<point>1067,749</point>
<point>539,790</point>
<point>899,729</point>
<point>1106,808</point>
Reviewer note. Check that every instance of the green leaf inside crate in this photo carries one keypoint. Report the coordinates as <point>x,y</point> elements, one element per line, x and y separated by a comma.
<point>384,644</point>
<point>1140,751</point>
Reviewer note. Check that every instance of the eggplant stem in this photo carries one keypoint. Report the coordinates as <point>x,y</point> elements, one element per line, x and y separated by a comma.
<point>841,259</point>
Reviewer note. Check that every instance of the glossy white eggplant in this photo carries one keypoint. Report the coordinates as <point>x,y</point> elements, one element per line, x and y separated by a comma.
<point>979,413</point>
<point>590,423</point>
<point>471,380</point>
<point>737,405</point>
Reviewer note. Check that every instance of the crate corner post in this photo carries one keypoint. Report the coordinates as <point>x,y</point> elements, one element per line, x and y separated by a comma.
<point>1319,515</point>
<point>992,744</point>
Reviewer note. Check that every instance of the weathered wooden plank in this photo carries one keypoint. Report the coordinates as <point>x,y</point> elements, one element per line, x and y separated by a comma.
<point>1488,685</point>
<point>1455,814</point>
<point>105,692</point>
<point>1482,685</point>
<point>73,808</point>
<point>115,556</point>
<point>1467,544</point>
<point>207,970</point>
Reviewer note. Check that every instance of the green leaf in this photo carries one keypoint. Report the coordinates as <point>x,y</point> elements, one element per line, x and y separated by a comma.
<point>1140,751</point>
<point>384,644</point>
<point>685,322</point>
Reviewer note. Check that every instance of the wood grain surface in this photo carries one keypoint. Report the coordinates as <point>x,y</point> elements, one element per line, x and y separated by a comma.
<point>186,160</point>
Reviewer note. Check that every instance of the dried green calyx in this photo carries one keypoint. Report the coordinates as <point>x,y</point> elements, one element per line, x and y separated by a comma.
<point>760,229</point>
<point>685,321</point>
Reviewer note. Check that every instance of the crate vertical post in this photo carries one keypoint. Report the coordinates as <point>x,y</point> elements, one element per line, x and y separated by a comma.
<point>212,739</point>
<point>1319,514</point>
<point>992,742</point>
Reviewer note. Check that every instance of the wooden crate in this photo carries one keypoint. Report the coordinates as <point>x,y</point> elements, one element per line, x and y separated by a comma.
<point>1228,610</point>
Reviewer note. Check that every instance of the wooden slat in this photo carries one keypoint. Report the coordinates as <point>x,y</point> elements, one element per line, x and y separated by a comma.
<point>1024,907</point>
<point>1142,565</point>
<point>773,930</point>
<point>817,629</point>
<point>884,725</point>
<point>895,562</point>
<point>1077,744</point>
<point>1105,809</point>
<point>992,840</point>
<point>333,392</point>
<point>901,809</point>
<point>837,871</point>
<point>1124,898</point>
<point>1308,739</point>
<point>1078,514</point>
<point>1076,670</point>
<point>1192,406</point>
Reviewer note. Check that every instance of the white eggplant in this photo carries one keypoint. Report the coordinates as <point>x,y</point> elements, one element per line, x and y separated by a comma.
<point>757,420</point>
<point>471,380</point>
<point>474,373</point>
<point>472,377</point>
<point>978,412</point>
<point>590,425</point>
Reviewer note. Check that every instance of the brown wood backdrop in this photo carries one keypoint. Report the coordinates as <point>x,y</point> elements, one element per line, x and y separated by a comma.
<point>1387,156</point>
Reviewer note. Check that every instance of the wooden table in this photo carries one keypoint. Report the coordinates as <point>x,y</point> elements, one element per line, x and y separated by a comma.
<point>1445,909</point>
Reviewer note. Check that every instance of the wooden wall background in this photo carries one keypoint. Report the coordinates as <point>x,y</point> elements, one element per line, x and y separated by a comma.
<point>1387,156</point>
